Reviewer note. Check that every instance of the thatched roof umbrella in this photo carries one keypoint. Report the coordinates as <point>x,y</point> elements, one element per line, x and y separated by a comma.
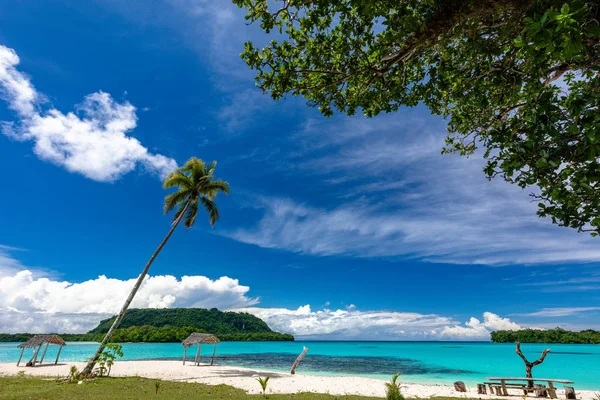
<point>38,341</point>
<point>199,338</point>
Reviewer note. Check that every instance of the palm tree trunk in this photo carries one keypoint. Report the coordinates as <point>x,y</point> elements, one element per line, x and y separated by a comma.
<point>90,365</point>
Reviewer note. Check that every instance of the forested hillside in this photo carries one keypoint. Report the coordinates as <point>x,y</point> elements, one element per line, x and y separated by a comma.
<point>213,320</point>
<point>173,325</point>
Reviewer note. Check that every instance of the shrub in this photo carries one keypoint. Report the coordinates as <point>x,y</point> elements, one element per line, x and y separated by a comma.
<point>73,374</point>
<point>392,389</point>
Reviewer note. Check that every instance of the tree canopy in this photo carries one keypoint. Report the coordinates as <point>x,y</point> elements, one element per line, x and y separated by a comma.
<point>557,335</point>
<point>519,79</point>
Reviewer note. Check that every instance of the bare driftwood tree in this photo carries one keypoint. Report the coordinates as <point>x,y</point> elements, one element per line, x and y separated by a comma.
<point>300,357</point>
<point>529,365</point>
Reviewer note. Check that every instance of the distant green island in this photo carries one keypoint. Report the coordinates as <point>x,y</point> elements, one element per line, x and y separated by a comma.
<point>173,325</point>
<point>557,335</point>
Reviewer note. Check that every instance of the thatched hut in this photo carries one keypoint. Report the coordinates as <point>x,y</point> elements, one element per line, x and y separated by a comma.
<point>199,339</point>
<point>38,341</point>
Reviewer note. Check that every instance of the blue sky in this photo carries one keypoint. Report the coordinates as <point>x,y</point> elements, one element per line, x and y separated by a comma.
<point>337,228</point>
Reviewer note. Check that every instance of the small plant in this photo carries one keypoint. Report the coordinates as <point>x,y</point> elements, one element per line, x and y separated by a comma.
<point>107,358</point>
<point>73,374</point>
<point>157,385</point>
<point>597,396</point>
<point>100,370</point>
<point>263,384</point>
<point>20,374</point>
<point>392,389</point>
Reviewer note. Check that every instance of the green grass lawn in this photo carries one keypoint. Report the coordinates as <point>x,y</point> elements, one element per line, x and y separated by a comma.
<point>138,388</point>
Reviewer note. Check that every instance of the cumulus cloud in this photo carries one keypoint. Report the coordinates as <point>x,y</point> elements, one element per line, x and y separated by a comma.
<point>80,306</point>
<point>476,329</point>
<point>42,304</point>
<point>92,142</point>
<point>355,324</point>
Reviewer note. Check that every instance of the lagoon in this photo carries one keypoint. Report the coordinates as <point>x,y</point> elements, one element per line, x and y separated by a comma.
<point>420,362</point>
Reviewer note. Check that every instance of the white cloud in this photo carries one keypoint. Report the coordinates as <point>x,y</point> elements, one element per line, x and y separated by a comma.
<point>475,329</point>
<point>560,311</point>
<point>82,305</point>
<point>41,304</point>
<point>389,193</point>
<point>8,264</point>
<point>354,324</point>
<point>93,142</point>
<point>350,323</point>
<point>14,86</point>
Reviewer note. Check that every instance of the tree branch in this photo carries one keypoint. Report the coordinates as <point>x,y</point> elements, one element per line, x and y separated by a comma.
<point>558,72</point>
<point>541,359</point>
<point>520,353</point>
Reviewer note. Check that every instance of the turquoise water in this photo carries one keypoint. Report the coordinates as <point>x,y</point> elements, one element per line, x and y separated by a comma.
<point>420,362</point>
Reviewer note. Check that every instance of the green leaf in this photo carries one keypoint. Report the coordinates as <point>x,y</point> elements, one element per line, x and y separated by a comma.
<point>592,31</point>
<point>542,162</point>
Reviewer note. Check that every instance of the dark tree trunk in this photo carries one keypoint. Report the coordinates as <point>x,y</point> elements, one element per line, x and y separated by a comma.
<point>529,365</point>
<point>87,371</point>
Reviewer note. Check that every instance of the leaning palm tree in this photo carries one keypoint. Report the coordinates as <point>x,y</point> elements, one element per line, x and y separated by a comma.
<point>195,187</point>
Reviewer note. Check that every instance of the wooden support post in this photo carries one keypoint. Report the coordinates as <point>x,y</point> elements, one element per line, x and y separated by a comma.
<point>184,350</point>
<point>570,393</point>
<point>212,361</point>
<point>504,390</point>
<point>35,356</point>
<point>197,361</point>
<point>58,355</point>
<point>21,356</point>
<point>481,388</point>
<point>552,390</point>
<point>45,350</point>
<point>540,391</point>
<point>300,357</point>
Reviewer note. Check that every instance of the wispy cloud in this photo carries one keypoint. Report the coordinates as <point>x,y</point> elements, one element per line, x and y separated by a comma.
<point>8,263</point>
<point>391,194</point>
<point>559,312</point>
<point>93,142</point>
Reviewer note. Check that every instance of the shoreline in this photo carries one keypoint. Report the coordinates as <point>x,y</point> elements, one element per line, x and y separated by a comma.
<point>245,379</point>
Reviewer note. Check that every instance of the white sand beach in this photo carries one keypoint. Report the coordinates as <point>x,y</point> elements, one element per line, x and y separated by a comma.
<point>245,378</point>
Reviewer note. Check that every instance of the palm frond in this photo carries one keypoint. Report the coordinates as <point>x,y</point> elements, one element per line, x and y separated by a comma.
<point>211,168</point>
<point>177,179</point>
<point>212,188</point>
<point>211,208</point>
<point>196,169</point>
<point>173,199</point>
<point>191,214</point>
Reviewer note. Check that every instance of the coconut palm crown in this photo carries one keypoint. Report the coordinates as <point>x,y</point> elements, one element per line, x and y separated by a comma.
<point>195,184</point>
